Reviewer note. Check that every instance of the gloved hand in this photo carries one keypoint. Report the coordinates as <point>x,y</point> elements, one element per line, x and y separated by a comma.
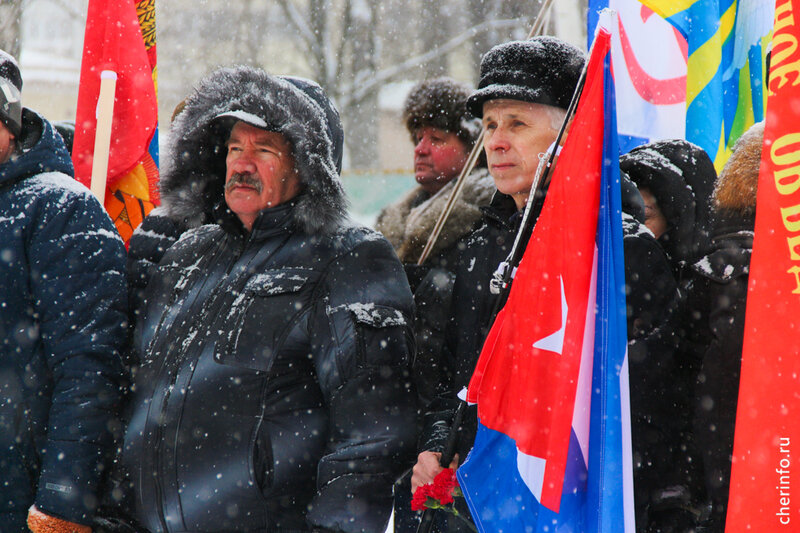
<point>39,522</point>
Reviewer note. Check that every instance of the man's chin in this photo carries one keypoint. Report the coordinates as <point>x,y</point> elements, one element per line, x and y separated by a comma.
<point>425,179</point>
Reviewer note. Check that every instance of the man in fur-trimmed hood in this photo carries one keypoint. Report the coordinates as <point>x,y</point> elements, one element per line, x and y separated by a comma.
<point>274,339</point>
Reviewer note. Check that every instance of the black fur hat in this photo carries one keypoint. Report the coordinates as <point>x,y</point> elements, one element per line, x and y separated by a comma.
<point>441,103</point>
<point>542,70</point>
<point>9,69</point>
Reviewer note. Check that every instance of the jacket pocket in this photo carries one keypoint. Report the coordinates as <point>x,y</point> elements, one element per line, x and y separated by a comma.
<point>261,315</point>
<point>382,335</point>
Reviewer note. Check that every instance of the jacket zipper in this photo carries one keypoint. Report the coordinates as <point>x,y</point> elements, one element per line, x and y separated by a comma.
<point>172,374</point>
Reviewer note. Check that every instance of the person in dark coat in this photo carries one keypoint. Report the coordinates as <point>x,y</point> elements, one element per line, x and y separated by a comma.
<point>274,343</point>
<point>443,132</point>
<point>676,178</point>
<point>62,325</point>
<point>717,301</point>
<point>521,117</point>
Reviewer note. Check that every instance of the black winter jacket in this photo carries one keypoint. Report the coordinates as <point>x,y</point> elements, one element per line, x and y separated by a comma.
<point>274,390</point>
<point>62,320</point>
<point>273,382</point>
<point>650,287</point>
<point>718,296</point>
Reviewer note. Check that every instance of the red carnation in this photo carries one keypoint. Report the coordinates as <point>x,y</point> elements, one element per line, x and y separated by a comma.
<point>443,485</point>
<point>421,497</point>
<point>439,495</point>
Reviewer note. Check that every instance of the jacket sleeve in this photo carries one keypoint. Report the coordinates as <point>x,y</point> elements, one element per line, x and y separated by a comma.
<point>362,342</point>
<point>147,246</point>
<point>77,282</point>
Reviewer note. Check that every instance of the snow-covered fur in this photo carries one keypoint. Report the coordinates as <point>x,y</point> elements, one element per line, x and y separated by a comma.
<point>193,179</point>
<point>408,223</point>
<point>441,103</point>
<point>736,186</point>
<point>543,70</point>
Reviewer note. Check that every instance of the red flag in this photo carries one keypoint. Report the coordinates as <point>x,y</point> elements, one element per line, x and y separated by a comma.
<point>114,41</point>
<point>767,438</point>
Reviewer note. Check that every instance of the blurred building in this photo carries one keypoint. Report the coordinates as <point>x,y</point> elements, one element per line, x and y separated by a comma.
<point>52,41</point>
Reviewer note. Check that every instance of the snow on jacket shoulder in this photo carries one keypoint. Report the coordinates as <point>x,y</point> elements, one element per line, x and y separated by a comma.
<point>62,319</point>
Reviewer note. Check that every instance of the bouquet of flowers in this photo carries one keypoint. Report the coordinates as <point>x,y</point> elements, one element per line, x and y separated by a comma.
<point>440,495</point>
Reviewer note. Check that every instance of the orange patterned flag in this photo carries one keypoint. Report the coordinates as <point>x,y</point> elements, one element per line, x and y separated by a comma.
<point>767,440</point>
<point>120,36</point>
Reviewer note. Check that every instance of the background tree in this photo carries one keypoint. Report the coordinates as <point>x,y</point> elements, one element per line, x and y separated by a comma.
<point>11,25</point>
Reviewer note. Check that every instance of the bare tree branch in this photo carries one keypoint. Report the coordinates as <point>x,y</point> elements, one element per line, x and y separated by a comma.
<point>306,33</point>
<point>360,87</point>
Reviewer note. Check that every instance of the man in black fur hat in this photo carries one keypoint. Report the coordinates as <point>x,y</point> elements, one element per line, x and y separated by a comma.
<point>443,132</point>
<point>274,342</point>
<point>522,98</point>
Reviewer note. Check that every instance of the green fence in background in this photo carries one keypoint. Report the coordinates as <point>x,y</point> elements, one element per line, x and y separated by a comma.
<point>369,193</point>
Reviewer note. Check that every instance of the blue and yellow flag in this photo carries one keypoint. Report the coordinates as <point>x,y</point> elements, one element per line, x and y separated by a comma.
<point>725,92</point>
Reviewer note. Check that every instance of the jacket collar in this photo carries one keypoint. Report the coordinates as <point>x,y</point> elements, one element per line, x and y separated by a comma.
<point>270,222</point>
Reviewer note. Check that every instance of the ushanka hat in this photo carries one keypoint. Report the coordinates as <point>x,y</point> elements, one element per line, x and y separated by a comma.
<point>10,97</point>
<point>542,70</point>
<point>441,103</point>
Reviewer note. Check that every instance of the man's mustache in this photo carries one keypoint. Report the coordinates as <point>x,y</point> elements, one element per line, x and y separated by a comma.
<point>244,178</point>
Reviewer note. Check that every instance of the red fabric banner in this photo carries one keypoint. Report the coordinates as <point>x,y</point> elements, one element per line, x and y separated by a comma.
<point>767,440</point>
<point>114,41</point>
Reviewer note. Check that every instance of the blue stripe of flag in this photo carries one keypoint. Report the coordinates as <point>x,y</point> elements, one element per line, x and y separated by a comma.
<point>607,463</point>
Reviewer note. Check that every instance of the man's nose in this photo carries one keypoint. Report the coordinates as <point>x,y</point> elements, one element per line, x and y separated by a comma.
<point>423,147</point>
<point>244,162</point>
<point>497,140</point>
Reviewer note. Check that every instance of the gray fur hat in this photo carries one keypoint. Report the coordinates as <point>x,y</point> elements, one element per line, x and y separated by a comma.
<point>542,70</point>
<point>192,183</point>
<point>10,97</point>
<point>441,103</point>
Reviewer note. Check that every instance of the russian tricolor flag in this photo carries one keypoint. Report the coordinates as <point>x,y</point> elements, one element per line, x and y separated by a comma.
<point>553,449</point>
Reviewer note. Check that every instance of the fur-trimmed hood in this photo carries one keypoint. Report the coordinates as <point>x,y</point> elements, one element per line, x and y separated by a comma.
<point>192,182</point>
<point>737,184</point>
<point>408,223</point>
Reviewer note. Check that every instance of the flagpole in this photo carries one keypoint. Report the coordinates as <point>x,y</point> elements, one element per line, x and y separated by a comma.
<point>102,140</point>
